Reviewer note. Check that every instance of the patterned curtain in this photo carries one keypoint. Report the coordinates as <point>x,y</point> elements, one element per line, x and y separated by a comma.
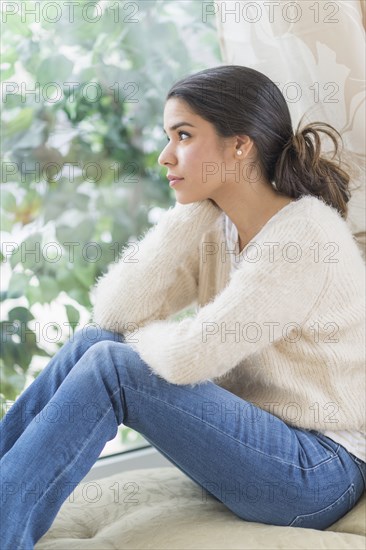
<point>315,52</point>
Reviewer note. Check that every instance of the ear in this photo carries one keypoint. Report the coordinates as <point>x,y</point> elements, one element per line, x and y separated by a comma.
<point>245,144</point>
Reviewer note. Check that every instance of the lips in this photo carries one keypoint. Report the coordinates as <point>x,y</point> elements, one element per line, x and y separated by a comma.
<point>174,180</point>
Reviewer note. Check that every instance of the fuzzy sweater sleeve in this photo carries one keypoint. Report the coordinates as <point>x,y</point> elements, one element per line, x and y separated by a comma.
<point>157,277</point>
<point>271,289</point>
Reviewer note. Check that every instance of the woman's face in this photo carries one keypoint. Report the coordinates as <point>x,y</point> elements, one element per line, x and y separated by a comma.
<point>195,153</point>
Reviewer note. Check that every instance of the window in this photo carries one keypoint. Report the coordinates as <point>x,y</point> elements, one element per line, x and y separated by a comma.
<point>82,119</point>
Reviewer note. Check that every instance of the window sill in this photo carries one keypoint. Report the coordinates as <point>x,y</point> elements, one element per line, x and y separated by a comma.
<point>145,457</point>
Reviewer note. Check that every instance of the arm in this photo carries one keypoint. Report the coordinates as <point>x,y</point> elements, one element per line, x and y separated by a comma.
<point>160,277</point>
<point>271,290</point>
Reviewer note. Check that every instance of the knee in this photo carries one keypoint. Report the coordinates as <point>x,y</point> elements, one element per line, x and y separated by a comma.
<point>91,335</point>
<point>119,354</point>
<point>113,348</point>
<point>88,337</point>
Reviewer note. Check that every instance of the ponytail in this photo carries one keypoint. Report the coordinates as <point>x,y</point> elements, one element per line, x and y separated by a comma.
<point>302,170</point>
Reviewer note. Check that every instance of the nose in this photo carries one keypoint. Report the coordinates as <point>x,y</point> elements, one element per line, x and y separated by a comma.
<point>167,156</point>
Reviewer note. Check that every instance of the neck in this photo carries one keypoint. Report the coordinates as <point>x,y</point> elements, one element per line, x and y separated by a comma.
<point>250,208</point>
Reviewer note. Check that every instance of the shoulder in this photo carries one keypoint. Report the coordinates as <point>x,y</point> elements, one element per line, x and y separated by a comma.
<point>313,214</point>
<point>327,222</point>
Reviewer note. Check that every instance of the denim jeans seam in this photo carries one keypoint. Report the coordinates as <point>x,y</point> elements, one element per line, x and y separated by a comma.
<point>324,439</point>
<point>68,467</point>
<point>362,470</point>
<point>273,457</point>
<point>349,492</point>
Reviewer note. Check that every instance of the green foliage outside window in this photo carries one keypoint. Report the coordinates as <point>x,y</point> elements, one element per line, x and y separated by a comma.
<point>80,156</point>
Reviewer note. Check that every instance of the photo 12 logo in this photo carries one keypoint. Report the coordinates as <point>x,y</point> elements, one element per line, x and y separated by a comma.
<point>70,11</point>
<point>270,12</point>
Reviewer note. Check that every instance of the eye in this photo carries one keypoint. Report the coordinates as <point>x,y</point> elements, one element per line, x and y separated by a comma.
<point>180,133</point>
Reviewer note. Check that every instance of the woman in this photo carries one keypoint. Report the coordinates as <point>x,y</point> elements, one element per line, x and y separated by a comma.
<point>259,396</point>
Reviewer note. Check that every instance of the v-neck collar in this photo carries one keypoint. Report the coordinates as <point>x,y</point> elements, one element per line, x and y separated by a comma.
<point>232,235</point>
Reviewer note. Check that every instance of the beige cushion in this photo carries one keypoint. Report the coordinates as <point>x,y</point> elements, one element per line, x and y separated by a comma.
<point>161,508</point>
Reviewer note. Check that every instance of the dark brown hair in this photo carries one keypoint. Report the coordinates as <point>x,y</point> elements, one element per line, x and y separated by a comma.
<point>240,100</point>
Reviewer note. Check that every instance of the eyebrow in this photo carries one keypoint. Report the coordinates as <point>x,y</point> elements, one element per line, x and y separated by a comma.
<point>178,125</point>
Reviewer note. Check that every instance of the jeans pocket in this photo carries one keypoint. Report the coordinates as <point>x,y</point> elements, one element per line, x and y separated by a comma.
<point>328,515</point>
<point>327,443</point>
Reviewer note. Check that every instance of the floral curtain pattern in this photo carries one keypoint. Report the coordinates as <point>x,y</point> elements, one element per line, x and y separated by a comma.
<point>315,53</point>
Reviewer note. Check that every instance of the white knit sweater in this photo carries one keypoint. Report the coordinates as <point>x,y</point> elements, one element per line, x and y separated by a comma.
<point>285,330</point>
<point>353,440</point>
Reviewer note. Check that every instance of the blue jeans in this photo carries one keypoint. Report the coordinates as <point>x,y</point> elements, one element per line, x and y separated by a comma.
<point>259,467</point>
